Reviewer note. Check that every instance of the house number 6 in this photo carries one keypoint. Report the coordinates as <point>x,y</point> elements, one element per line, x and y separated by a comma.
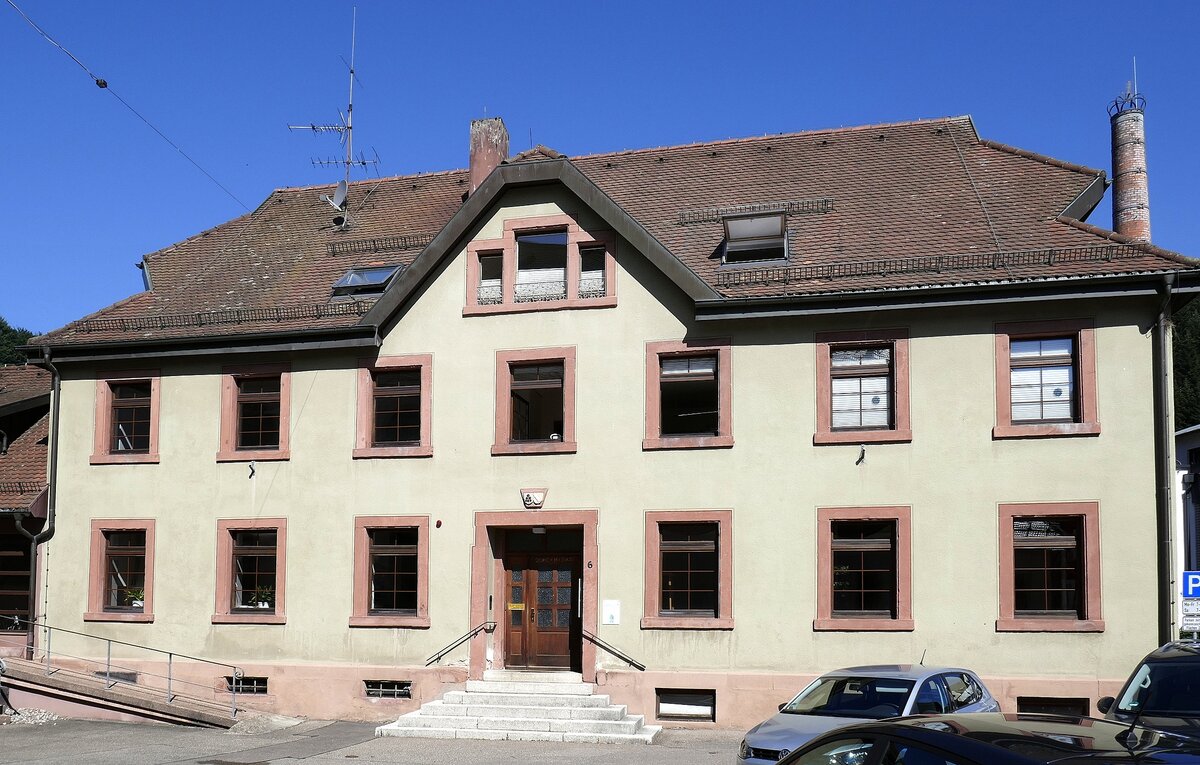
<point>589,564</point>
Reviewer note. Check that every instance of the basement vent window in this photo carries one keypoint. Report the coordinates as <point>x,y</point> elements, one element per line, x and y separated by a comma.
<point>364,282</point>
<point>246,684</point>
<point>755,238</point>
<point>388,689</point>
<point>1053,706</point>
<point>117,677</point>
<point>676,704</point>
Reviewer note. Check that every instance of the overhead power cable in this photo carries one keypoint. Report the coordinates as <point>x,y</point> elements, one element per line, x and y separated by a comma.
<point>103,84</point>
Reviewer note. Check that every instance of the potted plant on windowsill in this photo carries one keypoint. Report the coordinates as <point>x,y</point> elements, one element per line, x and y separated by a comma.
<point>135,597</point>
<point>264,597</point>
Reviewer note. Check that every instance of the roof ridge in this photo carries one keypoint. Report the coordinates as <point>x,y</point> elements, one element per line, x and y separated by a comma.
<point>204,233</point>
<point>1037,157</point>
<point>777,136</point>
<point>1113,236</point>
<point>366,181</point>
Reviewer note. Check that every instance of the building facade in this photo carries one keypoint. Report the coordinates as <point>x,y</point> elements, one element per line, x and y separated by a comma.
<point>737,413</point>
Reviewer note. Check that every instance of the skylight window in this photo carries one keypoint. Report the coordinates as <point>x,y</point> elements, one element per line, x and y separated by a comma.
<point>755,238</point>
<point>364,282</point>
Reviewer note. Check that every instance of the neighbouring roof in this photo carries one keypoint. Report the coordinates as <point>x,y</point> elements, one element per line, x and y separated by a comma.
<point>22,387</point>
<point>23,469</point>
<point>885,207</point>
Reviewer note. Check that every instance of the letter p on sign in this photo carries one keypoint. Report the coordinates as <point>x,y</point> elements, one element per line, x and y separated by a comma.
<point>1191,584</point>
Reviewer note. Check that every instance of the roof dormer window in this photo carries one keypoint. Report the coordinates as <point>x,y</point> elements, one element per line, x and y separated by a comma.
<point>365,282</point>
<point>755,238</point>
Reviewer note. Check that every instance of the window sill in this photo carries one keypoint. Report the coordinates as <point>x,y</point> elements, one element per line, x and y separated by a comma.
<point>863,625</point>
<point>377,452</point>
<point>249,619</point>
<point>686,623</point>
<point>687,442</point>
<point>413,622</point>
<point>863,437</point>
<point>1047,430</point>
<point>543,305</point>
<point>254,455</point>
<point>124,459</point>
<point>550,447</point>
<point>116,616</point>
<point>1049,625</point>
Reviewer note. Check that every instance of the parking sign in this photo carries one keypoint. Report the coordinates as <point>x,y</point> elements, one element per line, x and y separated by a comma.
<point>1191,584</point>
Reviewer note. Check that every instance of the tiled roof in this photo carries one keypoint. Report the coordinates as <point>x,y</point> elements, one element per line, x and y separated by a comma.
<point>904,205</point>
<point>23,469</point>
<point>20,383</point>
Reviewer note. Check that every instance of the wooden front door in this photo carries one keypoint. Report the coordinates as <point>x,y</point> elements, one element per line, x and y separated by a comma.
<point>542,627</point>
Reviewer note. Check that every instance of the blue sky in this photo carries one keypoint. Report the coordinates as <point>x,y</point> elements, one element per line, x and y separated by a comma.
<point>89,188</point>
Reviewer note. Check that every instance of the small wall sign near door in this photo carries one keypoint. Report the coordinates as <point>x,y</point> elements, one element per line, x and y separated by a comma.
<point>533,499</point>
<point>611,612</point>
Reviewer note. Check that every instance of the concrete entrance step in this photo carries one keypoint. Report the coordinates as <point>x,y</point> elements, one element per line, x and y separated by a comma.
<point>525,706</point>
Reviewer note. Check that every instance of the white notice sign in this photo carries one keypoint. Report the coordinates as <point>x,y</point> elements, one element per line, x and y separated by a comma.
<point>1190,623</point>
<point>1191,606</point>
<point>611,612</point>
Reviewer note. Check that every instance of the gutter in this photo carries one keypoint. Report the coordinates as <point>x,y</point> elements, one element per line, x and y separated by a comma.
<point>1164,464</point>
<point>47,532</point>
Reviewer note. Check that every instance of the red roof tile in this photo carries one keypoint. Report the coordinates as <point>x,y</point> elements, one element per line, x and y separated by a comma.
<point>20,383</point>
<point>910,204</point>
<point>23,469</point>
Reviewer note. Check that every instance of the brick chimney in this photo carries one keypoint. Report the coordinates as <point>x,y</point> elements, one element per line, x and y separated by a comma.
<point>489,147</point>
<point>1131,192</point>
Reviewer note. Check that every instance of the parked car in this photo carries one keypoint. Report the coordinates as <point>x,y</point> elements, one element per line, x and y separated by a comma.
<point>996,739</point>
<point>858,694</point>
<point>1162,693</point>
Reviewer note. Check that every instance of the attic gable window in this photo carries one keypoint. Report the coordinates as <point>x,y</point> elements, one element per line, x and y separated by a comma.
<point>365,282</point>
<point>755,238</point>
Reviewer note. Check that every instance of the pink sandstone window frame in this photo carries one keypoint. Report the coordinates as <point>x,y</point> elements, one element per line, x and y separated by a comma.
<point>361,615</point>
<point>503,445</point>
<point>228,451</point>
<point>826,621</point>
<point>826,343</point>
<point>366,406</point>
<point>1085,356</point>
<point>223,613</point>
<point>655,352</point>
<point>102,453</point>
<point>96,571</point>
<point>578,238</point>
<point>1089,512</point>
<point>652,591</point>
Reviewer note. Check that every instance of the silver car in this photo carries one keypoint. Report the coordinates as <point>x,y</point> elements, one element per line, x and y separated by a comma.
<point>859,694</point>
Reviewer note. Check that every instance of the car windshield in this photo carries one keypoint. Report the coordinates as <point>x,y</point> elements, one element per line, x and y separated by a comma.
<point>865,697</point>
<point>1167,689</point>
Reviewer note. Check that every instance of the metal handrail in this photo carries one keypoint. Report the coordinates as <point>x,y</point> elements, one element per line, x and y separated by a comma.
<point>460,640</point>
<point>615,651</point>
<point>235,672</point>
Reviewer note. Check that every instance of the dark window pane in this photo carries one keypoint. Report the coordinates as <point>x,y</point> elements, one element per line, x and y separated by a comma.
<point>689,396</point>
<point>864,568</point>
<point>689,561</point>
<point>537,402</point>
<point>125,571</point>
<point>1048,575</point>
<point>394,570</point>
<point>258,413</point>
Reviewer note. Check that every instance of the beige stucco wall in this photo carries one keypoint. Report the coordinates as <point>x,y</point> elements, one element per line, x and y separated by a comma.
<point>953,475</point>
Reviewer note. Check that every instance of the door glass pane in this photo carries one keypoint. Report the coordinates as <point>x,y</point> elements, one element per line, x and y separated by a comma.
<point>514,618</point>
<point>564,596</point>
<point>564,618</point>
<point>517,595</point>
<point>545,596</point>
<point>564,575</point>
<point>545,575</point>
<point>518,576</point>
<point>545,617</point>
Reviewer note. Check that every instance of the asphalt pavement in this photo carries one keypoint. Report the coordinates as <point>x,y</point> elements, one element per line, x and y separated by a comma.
<point>102,743</point>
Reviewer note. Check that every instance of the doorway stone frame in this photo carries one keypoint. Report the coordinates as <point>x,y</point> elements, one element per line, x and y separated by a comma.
<point>485,561</point>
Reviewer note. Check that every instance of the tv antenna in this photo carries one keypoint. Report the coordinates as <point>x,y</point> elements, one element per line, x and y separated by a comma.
<point>345,131</point>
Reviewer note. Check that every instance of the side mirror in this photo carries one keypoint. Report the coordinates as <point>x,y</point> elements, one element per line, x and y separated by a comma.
<point>781,706</point>
<point>1104,704</point>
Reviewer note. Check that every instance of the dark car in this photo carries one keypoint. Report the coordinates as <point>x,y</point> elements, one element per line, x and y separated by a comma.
<point>1162,693</point>
<point>991,738</point>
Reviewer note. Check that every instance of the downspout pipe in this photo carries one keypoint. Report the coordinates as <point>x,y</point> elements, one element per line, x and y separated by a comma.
<point>51,492</point>
<point>1164,465</point>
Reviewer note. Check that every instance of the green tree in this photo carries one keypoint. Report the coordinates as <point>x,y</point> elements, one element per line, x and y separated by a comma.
<point>1186,342</point>
<point>12,338</point>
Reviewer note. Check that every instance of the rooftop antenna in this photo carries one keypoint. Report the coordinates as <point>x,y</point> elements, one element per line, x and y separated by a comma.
<point>345,131</point>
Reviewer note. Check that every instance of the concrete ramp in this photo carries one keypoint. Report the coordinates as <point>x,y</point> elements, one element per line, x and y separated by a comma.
<point>78,694</point>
